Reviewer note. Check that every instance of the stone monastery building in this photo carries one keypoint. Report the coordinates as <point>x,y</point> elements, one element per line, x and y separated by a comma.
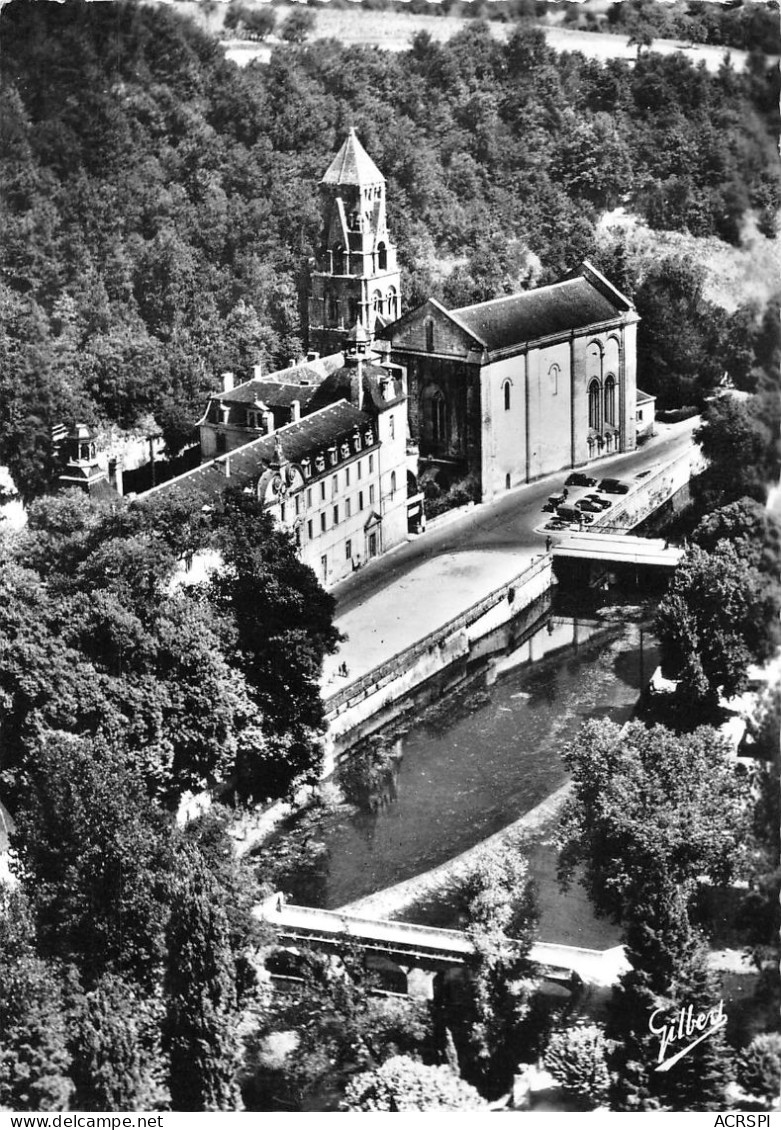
<point>505,391</point>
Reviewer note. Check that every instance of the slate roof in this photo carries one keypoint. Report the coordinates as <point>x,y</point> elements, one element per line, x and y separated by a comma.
<point>271,393</point>
<point>338,386</point>
<point>306,437</point>
<point>643,397</point>
<point>352,165</point>
<point>298,377</point>
<point>540,313</point>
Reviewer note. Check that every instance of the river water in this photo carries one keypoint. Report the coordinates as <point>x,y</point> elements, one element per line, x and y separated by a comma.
<point>484,754</point>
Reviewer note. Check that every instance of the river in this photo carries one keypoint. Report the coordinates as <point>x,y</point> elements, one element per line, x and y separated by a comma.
<point>481,755</point>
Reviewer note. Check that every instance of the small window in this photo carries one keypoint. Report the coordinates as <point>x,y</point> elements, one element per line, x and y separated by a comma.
<point>336,515</point>
<point>348,549</point>
<point>347,476</point>
<point>371,494</point>
<point>507,482</point>
<point>322,492</point>
<point>392,425</point>
<point>310,529</point>
<point>347,507</point>
<point>334,486</point>
<point>429,335</point>
<point>371,464</point>
<point>309,497</point>
<point>393,483</point>
<point>360,469</point>
<point>297,501</point>
<point>360,500</point>
<point>554,380</point>
<point>507,396</point>
<point>322,521</point>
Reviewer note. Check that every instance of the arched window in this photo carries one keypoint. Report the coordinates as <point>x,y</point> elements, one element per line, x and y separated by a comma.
<point>553,375</point>
<point>507,394</point>
<point>438,418</point>
<point>430,335</point>
<point>393,483</point>
<point>507,482</point>
<point>593,405</point>
<point>610,399</point>
<point>377,302</point>
<point>392,300</point>
<point>382,256</point>
<point>333,309</point>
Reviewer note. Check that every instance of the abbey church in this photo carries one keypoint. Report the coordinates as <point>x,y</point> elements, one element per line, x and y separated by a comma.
<point>504,391</point>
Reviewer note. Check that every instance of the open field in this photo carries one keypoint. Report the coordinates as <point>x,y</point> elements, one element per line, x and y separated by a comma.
<point>392,31</point>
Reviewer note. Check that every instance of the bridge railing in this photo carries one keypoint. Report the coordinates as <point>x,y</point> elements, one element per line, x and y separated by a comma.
<point>386,671</point>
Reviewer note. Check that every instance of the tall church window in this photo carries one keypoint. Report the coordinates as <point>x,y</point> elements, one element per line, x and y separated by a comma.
<point>430,335</point>
<point>392,303</point>
<point>352,307</point>
<point>507,395</point>
<point>610,400</point>
<point>554,379</point>
<point>332,303</point>
<point>593,405</point>
<point>338,254</point>
<point>377,302</point>
<point>382,256</point>
<point>438,418</point>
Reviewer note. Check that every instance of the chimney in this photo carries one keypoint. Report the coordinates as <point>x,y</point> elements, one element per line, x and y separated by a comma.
<point>295,411</point>
<point>268,423</point>
<point>228,381</point>
<point>356,383</point>
<point>257,371</point>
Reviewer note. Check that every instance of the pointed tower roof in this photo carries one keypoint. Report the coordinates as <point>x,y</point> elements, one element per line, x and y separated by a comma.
<point>352,165</point>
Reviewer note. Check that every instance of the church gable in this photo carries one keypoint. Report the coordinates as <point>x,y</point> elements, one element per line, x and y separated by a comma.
<point>432,329</point>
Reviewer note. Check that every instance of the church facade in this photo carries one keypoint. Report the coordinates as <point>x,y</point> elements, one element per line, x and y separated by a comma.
<point>513,389</point>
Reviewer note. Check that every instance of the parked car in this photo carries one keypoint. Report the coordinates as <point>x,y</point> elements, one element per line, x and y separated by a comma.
<point>556,524</point>
<point>554,500</point>
<point>589,506</point>
<point>604,503</point>
<point>614,486</point>
<point>571,514</point>
<point>578,479</point>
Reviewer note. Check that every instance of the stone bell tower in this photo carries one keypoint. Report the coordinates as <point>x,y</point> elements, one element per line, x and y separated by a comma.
<point>355,278</point>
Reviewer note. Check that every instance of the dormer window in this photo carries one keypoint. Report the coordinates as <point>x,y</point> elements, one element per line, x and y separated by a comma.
<point>369,435</point>
<point>332,456</point>
<point>357,444</point>
<point>345,450</point>
<point>306,467</point>
<point>320,462</point>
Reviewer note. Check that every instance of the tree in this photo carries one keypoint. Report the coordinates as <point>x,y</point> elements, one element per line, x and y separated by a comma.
<point>283,627</point>
<point>498,906</point>
<point>576,1058</point>
<point>753,531</point>
<point>98,854</point>
<point>298,26</point>
<point>403,1084</point>
<point>718,616</point>
<point>739,447</point>
<point>115,1044</point>
<point>759,1067</point>
<point>34,1056</point>
<point>650,808</point>
<point>200,994</point>
<point>259,22</point>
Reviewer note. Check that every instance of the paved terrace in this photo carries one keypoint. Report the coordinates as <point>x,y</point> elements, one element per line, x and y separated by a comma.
<point>393,602</point>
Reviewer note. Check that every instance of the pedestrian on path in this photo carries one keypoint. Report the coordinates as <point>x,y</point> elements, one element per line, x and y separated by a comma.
<point>548,543</point>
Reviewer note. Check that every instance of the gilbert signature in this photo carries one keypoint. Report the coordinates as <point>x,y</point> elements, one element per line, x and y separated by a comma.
<point>683,1026</point>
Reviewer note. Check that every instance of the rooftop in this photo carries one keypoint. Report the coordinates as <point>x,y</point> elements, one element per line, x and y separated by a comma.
<point>352,165</point>
<point>305,437</point>
<point>533,314</point>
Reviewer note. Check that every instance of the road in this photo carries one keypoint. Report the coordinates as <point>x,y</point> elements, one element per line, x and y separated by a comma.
<point>401,597</point>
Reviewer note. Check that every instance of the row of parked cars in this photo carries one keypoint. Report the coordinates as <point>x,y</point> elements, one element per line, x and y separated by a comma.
<point>584,509</point>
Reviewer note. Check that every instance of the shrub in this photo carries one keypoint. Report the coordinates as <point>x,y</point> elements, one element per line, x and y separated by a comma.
<point>403,1084</point>
<point>575,1058</point>
<point>759,1067</point>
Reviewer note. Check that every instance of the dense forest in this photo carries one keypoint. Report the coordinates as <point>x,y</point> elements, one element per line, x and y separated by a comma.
<point>160,203</point>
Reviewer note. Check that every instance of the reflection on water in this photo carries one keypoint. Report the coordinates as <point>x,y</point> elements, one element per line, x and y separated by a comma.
<point>483,755</point>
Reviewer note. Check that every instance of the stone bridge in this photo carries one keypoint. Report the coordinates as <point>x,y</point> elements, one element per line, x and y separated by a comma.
<point>420,955</point>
